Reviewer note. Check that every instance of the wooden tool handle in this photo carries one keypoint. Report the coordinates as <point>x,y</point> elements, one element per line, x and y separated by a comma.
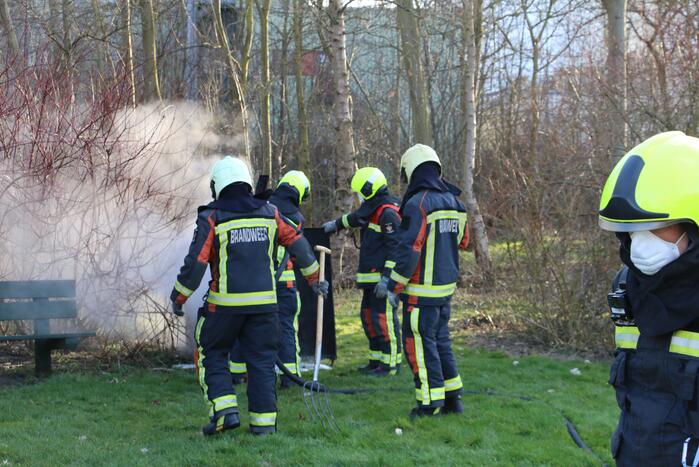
<point>319,312</point>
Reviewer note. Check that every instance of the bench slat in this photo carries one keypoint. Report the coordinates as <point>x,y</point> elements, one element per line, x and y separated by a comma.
<point>31,337</point>
<point>38,310</point>
<point>37,289</point>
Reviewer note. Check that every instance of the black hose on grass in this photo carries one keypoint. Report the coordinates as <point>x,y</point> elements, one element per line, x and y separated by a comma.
<point>572,431</point>
<point>296,379</point>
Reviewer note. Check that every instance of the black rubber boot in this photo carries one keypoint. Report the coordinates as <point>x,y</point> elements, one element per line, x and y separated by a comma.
<point>419,412</point>
<point>453,405</point>
<point>262,430</point>
<point>225,420</point>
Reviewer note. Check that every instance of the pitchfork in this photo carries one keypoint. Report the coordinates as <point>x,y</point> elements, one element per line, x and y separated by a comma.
<point>319,406</point>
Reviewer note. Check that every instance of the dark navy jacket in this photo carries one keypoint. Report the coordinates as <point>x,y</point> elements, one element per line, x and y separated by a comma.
<point>235,237</point>
<point>379,221</point>
<point>433,230</point>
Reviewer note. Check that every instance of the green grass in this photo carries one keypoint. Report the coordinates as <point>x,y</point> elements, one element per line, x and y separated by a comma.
<point>141,417</point>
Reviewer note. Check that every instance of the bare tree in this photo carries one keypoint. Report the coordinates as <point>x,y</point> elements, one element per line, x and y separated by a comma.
<point>304,152</point>
<point>102,54</point>
<point>9,28</point>
<point>234,72</point>
<point>616,76</point>
<point>247,46</point>
<point>150,52</point>
<point>410,50</point>
<point>127,49</point>
<point>343,108</point>
<point>470,59</point>
<point>265,117</point>
<point>190,72</point>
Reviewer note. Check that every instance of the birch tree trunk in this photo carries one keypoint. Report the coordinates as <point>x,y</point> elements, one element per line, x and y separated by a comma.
<point>233,70</point>
<point>470,55</point>
<point>344,150</point>
<point>412,62</point>
<point>616,76</point>
<point>6,18</point>
<point>304,154</point>
<point>265,117</point>
<point>345,159</point>
<point>127,49</point>
<point>150,64</point>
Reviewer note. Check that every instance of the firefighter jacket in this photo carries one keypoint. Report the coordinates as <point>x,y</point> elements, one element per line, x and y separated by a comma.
<point>656,364</point>
<point>286,199</point>
<point>433,229</point>
<point>379,221</point>
<point>235,237</point>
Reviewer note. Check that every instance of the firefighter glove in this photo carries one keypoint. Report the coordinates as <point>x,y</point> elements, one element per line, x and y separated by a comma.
<point>177,309</point>
<point>393,299</point>
<point>381,289</point>
<point>321,288</point>
<point>330,227</point>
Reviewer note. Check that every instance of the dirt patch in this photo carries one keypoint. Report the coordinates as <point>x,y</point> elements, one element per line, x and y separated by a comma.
<point>481,332</point>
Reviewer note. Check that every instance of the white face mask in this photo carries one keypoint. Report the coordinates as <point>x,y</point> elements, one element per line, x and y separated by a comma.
<point>650,253</point>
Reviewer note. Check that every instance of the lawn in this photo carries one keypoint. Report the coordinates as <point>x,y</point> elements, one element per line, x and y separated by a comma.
<point>135,416</point>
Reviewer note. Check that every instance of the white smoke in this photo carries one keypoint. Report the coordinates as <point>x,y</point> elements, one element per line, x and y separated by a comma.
<point>118,219</point>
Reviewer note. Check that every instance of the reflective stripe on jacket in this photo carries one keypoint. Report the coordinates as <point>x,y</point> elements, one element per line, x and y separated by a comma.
<point>682,342</point>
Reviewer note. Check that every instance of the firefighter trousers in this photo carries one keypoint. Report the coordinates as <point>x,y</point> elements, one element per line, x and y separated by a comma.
<point>656,391</point>
<point>382,329</point>
<point>258,333</point>
<point>289,304</point>
<point>428,351</point>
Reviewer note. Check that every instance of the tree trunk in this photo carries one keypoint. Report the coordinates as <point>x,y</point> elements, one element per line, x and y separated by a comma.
<point>67,20</point>
<point>233,67</point>
<point>468,99</point>
<point>344,150</point>
<point>247,47</point>
<point>190,71</point>
<point>410,49</point>
<point>6,18</point>
<point>103,57</point>
<point>54,29</point>
<point>616,76</point>
<point>150,52</point>
<point>127,49</point>
<point>280,156</point>
<point>396,127</point>
<point>343,109</point>
<point>304,154</point>
<point>265,117</point>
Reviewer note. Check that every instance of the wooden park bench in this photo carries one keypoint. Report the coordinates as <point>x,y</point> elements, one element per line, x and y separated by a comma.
<point>41,302</point>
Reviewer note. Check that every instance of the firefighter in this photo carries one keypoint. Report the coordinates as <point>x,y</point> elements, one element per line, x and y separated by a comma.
<point>235,237</point>
<point>293,189</point>
<point>378,219</point>
<point>433,229</point>
<point>651,202</point>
